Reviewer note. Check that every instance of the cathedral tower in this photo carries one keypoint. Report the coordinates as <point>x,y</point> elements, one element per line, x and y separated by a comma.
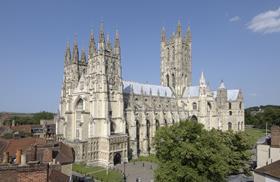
<point>176,60</point>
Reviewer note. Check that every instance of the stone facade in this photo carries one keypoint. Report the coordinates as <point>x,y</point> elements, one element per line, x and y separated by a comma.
<point>107,119</point>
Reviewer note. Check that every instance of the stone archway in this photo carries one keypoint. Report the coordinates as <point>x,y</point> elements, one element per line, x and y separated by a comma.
<point>194,118</point>
<point>117,158</point>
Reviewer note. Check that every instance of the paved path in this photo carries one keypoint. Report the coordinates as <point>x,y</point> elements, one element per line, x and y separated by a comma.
<point>134,170</point>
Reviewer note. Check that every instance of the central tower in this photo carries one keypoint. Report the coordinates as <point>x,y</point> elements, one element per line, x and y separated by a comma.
<point>176,60</point>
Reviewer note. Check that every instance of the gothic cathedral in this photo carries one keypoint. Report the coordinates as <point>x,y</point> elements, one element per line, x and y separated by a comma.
<point>108,120</point>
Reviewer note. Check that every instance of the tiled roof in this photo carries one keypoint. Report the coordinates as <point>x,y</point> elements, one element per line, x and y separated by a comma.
<point>66,154</point>
<point>57,176</point>
<point>272,169</point>
<point>23,128</point>
<point>22,143</point>
<point>163,91</point>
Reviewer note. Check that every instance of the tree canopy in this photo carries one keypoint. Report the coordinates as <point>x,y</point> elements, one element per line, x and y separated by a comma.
<point>187,152</point>
<point>28,118</point>
<point>259,116</point>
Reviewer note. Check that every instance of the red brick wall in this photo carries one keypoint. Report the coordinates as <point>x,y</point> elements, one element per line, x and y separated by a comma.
<point>8,176</point>
<point>33,176</point>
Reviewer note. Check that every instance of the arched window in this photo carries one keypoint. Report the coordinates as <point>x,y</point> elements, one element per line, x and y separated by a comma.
<point>167,80</point>
<point>173,53</point>
<point>229,126</point>
<point>168,54</point>
<point>240,105</point>
<point>80,105</point>
<point>157,125</point>
<point>165,122</point>
<point>230,113</point>
<point>229,105</point>
<point>112,127</point>
<point>173,81</point>
<point>194,105</point>
<point>209,106</point>
<point>173,122</point>
<point>148,135</point>
<point>138,137</point>
<point>238,126</point>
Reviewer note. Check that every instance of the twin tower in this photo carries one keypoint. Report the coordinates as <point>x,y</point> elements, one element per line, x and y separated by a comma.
<point>175,54</point>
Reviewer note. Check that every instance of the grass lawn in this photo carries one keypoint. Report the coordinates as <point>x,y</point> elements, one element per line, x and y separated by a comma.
<point>98,173</point>
<point>254,134</point>
<point>150,158</point>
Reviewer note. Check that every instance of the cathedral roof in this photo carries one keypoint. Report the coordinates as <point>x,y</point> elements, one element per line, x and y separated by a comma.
<point>192,91</point>
<point>232,95</point>
<point>155,90</point>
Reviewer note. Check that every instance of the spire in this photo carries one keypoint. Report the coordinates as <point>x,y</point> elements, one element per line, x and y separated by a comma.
<point>117,48</point>
<point>92,48</point>
<point>189,34</point>
<point>163,35</point>
<point>75,51</point>
<point>222,85</point>
<point>179,29</point>
<point>67,59</point>
<point>101,42</point>
<point>202,80</point>
<point>83,57</point>
<point>108,43</point>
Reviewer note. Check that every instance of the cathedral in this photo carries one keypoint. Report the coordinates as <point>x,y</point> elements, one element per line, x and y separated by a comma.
<point>108,120</point>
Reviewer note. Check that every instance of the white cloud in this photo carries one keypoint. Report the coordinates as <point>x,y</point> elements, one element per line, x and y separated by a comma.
<point>235,18</point>
<point>266,22</point>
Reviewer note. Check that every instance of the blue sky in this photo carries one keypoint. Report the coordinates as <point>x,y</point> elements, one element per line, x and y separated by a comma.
<point>235,41</point>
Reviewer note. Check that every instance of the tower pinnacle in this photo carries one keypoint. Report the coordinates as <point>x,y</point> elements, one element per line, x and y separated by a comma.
<point>179,28</point>
<point>83,57</point>
<point>163,35</point>
<point>67,59</point>
<point>92,48</point>
<point>202,80</point>
<point>75,51</point>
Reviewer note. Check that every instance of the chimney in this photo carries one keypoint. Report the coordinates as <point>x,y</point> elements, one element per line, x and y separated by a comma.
<point>5,157</point>
<point>275,136</point>
<point>34,153</point>
<point>18,156</point>
<point>23,159</point>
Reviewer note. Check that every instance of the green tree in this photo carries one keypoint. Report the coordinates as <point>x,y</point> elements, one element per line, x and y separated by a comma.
<point>187,152</point>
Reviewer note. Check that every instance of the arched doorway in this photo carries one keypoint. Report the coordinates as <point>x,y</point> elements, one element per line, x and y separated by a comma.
<point>117,158</point>
<point>194,118</point>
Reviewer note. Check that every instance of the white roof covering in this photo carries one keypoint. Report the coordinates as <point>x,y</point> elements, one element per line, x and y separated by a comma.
<point>155,89</point>
<point>192,91</point>
<point>231,94</point>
